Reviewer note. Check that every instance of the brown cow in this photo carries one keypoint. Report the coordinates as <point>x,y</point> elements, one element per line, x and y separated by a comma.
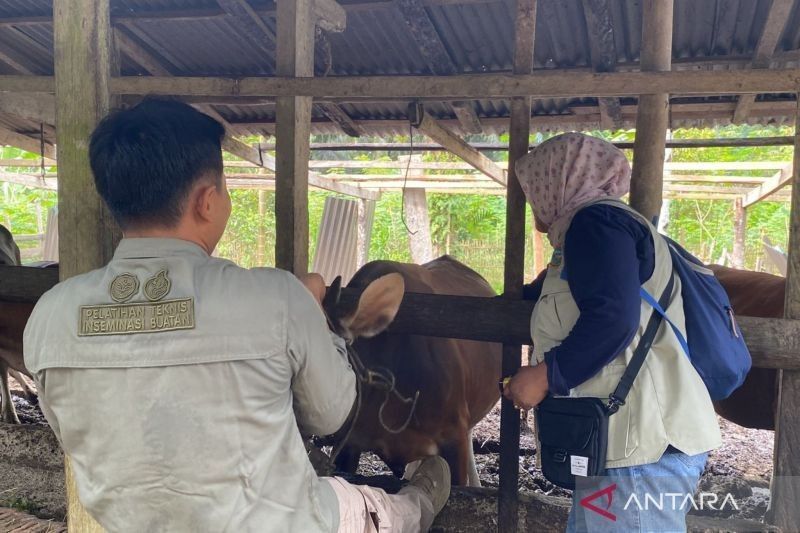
<point>757,294</point>
<point>456,379</point>
<point>13,317</point>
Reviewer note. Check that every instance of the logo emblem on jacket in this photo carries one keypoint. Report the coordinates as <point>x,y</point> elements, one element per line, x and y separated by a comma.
<point>157,287</point>
<point>123,287</point>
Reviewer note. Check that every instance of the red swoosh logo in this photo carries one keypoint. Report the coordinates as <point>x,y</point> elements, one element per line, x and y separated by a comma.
<point>607,492</point>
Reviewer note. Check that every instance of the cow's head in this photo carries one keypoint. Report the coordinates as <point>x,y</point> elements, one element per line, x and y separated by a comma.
<point>371,314</point>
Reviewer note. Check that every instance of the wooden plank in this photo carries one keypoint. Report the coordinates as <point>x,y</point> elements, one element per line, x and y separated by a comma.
<point>27,84</point>
<point>777,17</point>
<point>29,180</point>
<point>295,57</point>
<point>156,66</point>
<point>652,118</point>
<point>785,492</point>
<point>773,342</point>
<point>469,86</point>
<point>769,187</point>
<point>25,284</point>
<point>436,56</point>
<point>467,117</point>
<point>37,108</point>
<point>337,115</point>
<point>87,233</point>
<point>455,144</point>
<point>131,47</point>
<point>498,147</point>
<point>604,55</point>
<point>250,23</point>
<point>15,64</point>
<point>29,144</point>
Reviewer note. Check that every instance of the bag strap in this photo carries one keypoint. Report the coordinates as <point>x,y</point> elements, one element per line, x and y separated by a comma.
<point>647,297</point>
<point>617,398</point>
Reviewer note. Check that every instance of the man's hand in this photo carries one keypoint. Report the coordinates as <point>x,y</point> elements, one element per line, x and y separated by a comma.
<point>528,387</point>
<point>315,285</point>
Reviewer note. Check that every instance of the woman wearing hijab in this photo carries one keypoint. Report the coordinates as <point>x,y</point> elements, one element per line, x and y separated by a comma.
<point>587,322</point>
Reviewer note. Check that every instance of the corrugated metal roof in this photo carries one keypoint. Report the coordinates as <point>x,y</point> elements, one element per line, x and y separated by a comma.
<point>477,36</point>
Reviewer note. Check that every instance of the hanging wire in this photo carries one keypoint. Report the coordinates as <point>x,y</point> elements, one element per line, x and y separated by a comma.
<point>405,179</point>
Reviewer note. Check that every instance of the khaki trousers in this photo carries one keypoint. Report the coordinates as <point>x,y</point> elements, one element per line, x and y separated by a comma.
<point>364,509</point>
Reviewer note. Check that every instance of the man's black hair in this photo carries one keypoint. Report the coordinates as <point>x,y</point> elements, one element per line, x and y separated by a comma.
<point>146,159</point>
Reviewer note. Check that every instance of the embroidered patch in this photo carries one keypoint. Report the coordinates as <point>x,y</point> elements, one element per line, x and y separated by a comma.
<point>140,317</point>
<point>157,287</point>
<point>123,287</point>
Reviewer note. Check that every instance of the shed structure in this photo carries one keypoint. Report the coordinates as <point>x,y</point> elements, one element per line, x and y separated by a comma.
<point>449,67</point>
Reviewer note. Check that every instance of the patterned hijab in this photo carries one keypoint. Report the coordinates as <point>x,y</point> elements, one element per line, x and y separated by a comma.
<point>566,172</point>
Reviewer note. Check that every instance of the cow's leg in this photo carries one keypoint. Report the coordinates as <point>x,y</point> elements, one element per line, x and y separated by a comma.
<point>472,470</point>
<point>7,412</point>
<point>30,395</point>
<point>457,456</point>
<point>348,459</point>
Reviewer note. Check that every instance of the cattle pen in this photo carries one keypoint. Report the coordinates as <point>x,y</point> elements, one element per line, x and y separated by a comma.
<point>445,67</point>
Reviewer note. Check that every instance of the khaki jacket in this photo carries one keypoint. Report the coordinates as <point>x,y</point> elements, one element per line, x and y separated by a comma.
<point>668,403</point>
<point>177,381</point>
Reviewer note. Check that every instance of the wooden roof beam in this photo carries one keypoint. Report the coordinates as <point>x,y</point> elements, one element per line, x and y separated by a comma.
<point>29,144</point>
<point>436,56</point>
<point>604,55</point>
<point>457,87</point>
<point>769,187</point>
<point>337,115</point>
<point>39,108</point>
<point>777,17</point>
<point>250,23</point>
<point>455,144</point>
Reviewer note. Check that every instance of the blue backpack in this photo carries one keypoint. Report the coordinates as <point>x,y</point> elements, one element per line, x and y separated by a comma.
<point>713,343</point>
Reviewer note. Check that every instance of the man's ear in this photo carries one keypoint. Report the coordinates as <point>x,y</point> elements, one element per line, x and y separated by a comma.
<point>377,306</point>
<point>203,201</point>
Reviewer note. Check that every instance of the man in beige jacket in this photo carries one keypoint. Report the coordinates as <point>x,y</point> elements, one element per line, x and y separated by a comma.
<point>178,383</point>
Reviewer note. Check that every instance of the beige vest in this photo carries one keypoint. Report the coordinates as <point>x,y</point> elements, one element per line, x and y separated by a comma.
<point>668,403</point>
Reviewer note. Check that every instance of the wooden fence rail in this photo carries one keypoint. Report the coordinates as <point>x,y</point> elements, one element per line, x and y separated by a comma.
<point>773,342</point>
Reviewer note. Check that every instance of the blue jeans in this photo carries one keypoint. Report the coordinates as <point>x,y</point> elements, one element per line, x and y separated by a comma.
<point>646,498</point>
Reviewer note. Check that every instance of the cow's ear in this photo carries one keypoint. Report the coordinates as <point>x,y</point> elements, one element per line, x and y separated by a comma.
<point>377,306</point>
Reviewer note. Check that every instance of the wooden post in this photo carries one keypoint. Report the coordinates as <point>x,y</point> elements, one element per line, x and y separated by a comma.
<point>652,116</point>
<point>366,215</point>
<point>739,233</point>
<point>261,237</point>
<point>84,56</point>
<point>295,57</point>
<point>539,261</point>
<point>784,511</point>
<point>519,135</point>
<point>415,209</point>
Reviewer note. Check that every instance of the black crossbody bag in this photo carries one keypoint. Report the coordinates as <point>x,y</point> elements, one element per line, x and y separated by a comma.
<point>573,432</point>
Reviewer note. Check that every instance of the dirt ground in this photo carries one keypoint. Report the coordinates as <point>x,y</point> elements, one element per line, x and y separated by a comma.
<point>742,466</point>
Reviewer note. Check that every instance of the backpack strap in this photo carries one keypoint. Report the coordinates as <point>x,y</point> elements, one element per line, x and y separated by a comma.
<point>617,398</point>
<point>658,308</point>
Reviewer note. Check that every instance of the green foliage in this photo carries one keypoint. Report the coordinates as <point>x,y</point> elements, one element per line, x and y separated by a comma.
<point>469,227</point>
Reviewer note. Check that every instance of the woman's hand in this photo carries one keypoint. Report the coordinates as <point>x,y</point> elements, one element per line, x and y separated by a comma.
<point>528,387</point>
